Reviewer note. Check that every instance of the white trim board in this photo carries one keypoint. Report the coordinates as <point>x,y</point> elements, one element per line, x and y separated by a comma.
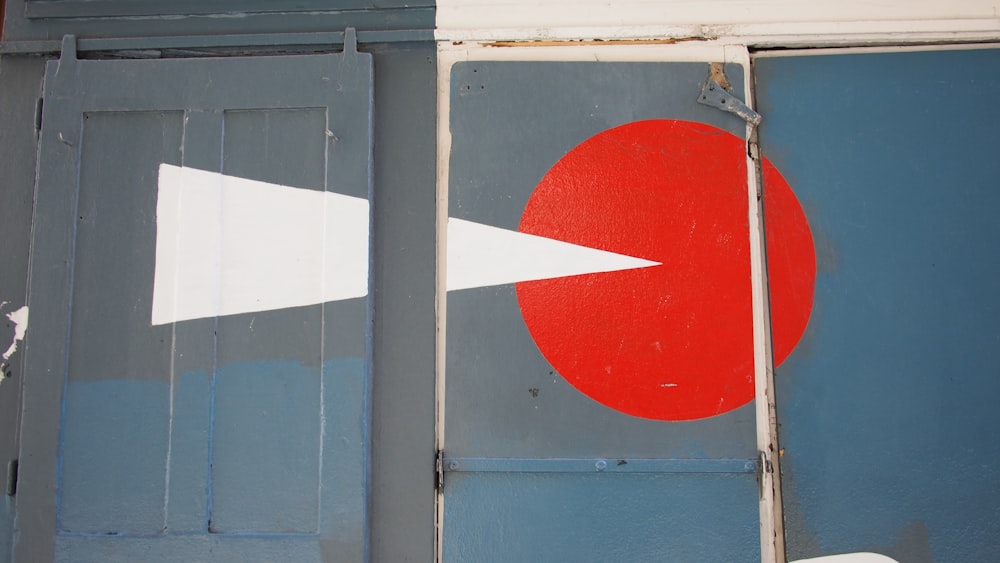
<point>750,22</point>
<point>774,54</point>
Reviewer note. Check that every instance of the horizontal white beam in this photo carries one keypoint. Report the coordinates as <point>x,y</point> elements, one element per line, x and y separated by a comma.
<point>794,22</point>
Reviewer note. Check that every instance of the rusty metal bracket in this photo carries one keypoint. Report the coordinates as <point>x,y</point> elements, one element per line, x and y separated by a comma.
<point>713,94</point>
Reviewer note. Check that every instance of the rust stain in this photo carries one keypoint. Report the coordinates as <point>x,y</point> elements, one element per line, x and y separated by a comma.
<point>717,73</point>
<point>583,42</point>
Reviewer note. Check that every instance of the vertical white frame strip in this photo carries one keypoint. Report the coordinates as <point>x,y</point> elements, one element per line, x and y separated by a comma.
<point>441,282</point>
<point>772,536</point>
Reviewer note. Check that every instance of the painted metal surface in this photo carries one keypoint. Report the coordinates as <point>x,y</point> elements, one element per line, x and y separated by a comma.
<point>506,404</point>
<point>885,408</point>
<point>715,95</point>
<point>220,437</point>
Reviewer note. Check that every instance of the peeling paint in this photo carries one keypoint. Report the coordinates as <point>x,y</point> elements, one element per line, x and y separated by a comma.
<point>717,72</point>
<point>579,42</point>
<point>19,318</point>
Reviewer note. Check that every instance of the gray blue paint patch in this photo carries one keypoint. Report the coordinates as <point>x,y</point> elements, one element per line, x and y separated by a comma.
<point>114,450</point>
<point>6,526</point>
<point>214,548</point>
<point>266,458</point>
<point>286,468</point>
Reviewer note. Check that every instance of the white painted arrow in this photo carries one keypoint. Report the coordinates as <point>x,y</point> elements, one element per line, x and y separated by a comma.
<point>480,255</point>
<point>227,245</point>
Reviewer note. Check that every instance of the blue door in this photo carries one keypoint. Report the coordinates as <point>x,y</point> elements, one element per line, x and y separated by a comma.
<point>225,434</point>
<point>886,409</point>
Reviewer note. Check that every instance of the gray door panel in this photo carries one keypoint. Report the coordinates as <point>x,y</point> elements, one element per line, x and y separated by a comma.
<point>208,439</point>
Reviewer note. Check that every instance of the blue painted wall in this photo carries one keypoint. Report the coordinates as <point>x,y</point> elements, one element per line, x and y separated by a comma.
<point>887,408</point>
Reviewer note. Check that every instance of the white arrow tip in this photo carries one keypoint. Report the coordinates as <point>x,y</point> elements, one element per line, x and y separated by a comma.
<point>480,255</point>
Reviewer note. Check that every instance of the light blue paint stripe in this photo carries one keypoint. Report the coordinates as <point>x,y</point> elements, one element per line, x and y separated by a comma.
<point>343,495</point>
<point>596,465</point>
<point>187,504</point>
<point>132,535</point>
<point>114,456</point>
<point>6,528</point>
<point>265,458</point>
<point>201,547</point>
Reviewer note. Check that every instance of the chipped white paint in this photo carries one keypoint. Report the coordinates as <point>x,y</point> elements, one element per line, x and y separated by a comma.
<point>19,319</point>
<point>860,557</point>
<point>227,245</point>
<point>692,51</point>
<point>752,22</point>
<point>480,255</point>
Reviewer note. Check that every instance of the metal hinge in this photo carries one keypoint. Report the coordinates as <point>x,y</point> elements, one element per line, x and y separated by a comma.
<point>763,466</point>
<point>38,114</point>
<point>12,478</point>
<point>715,93</point>
<point>439,471</point>
<point>753,151</point>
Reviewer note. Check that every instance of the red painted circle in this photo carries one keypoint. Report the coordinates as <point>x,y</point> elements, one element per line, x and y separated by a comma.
<point>675,341</point>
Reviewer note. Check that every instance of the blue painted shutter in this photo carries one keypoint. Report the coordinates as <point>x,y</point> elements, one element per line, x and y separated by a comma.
<point>225,439</point>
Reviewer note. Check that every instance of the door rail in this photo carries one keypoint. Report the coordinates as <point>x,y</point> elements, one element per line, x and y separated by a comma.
<point>595,465</point>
